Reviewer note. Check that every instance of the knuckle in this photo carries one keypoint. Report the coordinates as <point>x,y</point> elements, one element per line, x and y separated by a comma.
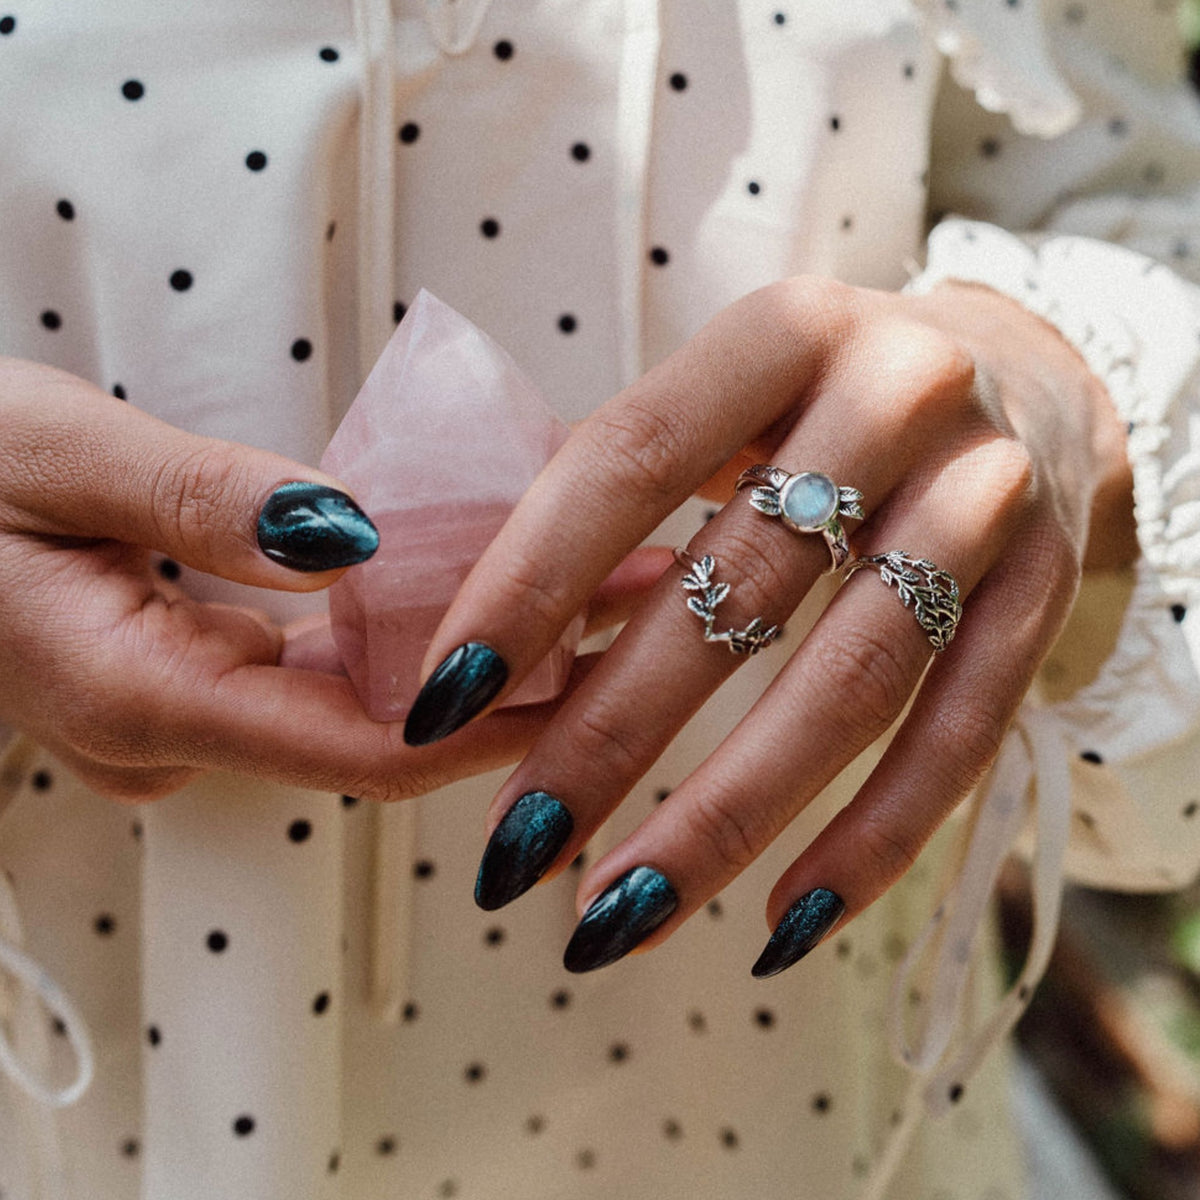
<point>190,493</point>
<point>763,584</point>
<point>964,740</point>
<point>540,591</point>
<point>642,447</point>
<point>729,834</point>
<point>606,743</point>
<point>887,850</point>
<point>866,679</point>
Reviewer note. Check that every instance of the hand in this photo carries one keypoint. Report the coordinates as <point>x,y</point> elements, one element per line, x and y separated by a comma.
<point>979,439</point>
<point>135,686</point>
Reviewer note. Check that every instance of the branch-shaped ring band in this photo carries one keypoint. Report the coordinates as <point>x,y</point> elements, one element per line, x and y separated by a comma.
<point>806,502</point>
<point>929,591</point>
<point>707,595</point>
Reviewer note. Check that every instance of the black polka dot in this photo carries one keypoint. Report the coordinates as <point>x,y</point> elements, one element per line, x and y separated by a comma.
<point>835,122</point>
<point>503,50</point>
<point>585,1160</point>
<point>955,1093</point>
<point>579,862</point>
<point>256,160</point>
<point>780,18</point>
<point>1092,756</point>
<point>51,319</point>
<point>847,222</point>
<point>1023,992</point>
<point>661,795</point>
<point>181,280</point>
<point>494,936</point>
<point>320,1004</point>
<point>130,1148</point>
<point>567,323</point>
<point>119,391</point>
<point>729,1139</point>
<point>300,831</point>
<point>217,941</point>
<point>154,1035</point>
<point>909,70</point>
<point>410,1012</point>
<point>618,1052</point>
<point>696,1021</point>
<point>764,1018</point>
<point>335,1161</point>
<point>714,909</point>
<point>349,801</point>
<point>989,147</point>
<point>409,132</point>
<point>169,569</point>
<point>581,152</point>
<point>59,1026</point>
<point>672,1130</point>
<point>448,1188</point>
<point>105,924</point>
<point>1074,13</point>
<point>398,311</point>
<point>243,1126</point>
<point>821,1103</point>
<point>709,513</point>
<point>302,349</point>
<point>65,209</point>
<point>844,949</point>
<point>1190,809</point>
<point>535,1124</point>
<point>1086,820</point>
<point>678,81</point>
<point>136,830</point>
<point>1118,127</point>
<point>386,1145</point>
<point>1178,612</point>
<point>7,25</point>
<point>328,54</point>
<point>424,869</point>
<point>133,89</point>
<point>560,999</point>
<point>330,230</point>
<point>41,781</point>
<point>474,1072</point>
<point>489,227</point>
<point>659,257</point>
<point>754,187</point>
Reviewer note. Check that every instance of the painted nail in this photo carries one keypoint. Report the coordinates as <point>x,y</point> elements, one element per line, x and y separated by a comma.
<point>467,680</point>
<point>631,908</point>
<point>310,527</point>
<point>802,927</point>
<point>521,847</point>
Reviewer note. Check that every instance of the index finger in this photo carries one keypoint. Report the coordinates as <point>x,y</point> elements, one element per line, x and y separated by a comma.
<point>620,473</point>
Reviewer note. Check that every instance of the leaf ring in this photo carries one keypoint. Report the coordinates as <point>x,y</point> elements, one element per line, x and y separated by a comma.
<point>929,591</point>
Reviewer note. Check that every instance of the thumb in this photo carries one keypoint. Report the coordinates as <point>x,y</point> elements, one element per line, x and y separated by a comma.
<point>74,462</point>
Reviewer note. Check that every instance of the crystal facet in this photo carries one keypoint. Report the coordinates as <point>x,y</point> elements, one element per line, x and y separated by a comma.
<point>441,442</point>
<point>808,500</point>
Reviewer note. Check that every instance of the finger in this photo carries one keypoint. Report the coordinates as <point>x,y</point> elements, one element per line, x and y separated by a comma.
<point>844,687</point>
<point>616,599</point>
<point>621,471</point>
<point>941,751</point>
<point>76,463</point>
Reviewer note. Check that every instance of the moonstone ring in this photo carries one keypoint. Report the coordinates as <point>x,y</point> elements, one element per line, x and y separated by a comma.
<point>806,502</point>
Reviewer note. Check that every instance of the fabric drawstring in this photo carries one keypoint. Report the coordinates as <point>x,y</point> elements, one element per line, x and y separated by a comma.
<point>943,1055</point>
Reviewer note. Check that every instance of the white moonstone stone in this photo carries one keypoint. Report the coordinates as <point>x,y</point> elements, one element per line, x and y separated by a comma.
<point>808,500</point>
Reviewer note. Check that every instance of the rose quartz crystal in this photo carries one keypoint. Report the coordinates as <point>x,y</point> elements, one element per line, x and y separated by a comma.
<point>440,443</point>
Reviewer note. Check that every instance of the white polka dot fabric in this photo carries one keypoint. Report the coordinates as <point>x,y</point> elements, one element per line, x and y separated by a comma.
<point>588,181</point>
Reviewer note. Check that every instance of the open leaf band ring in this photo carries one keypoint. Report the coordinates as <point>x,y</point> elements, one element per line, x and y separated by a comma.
<point>929,591</point>
<point>707,594</point>
<point>806,502</point>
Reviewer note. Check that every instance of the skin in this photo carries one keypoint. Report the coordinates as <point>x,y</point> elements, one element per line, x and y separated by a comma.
<point>139,688</point>
<point>980,440</point>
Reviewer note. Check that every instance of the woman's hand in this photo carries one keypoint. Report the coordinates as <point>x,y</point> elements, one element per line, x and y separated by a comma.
<point>979,440</point>
<point>135,686</point>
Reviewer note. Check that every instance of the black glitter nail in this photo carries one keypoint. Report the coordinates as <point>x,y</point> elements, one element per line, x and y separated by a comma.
<point>467,680</point>
<point>310,527</point>
<point>630,909</point>
<point>521,847</point>
<point>802,927</point>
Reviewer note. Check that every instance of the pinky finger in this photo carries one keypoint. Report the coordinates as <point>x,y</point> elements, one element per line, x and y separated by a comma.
<point>945,745</point>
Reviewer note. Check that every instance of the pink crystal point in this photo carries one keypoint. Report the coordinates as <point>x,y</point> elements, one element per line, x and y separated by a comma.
<point>440,443</point>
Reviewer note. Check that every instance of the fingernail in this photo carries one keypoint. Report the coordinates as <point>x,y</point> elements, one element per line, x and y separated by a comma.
<point>521,847</point>
<point>466,682</point>
<point>802,927</point>
<point>310,527</point>
<point>630,909</point>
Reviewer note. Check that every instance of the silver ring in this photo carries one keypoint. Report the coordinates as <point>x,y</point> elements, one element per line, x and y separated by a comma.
<point>806,502</point>
<point>929,591</point>
<point>708,594</point>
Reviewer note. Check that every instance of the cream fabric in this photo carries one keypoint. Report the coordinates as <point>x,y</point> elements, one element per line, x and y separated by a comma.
<point>310,165</point>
